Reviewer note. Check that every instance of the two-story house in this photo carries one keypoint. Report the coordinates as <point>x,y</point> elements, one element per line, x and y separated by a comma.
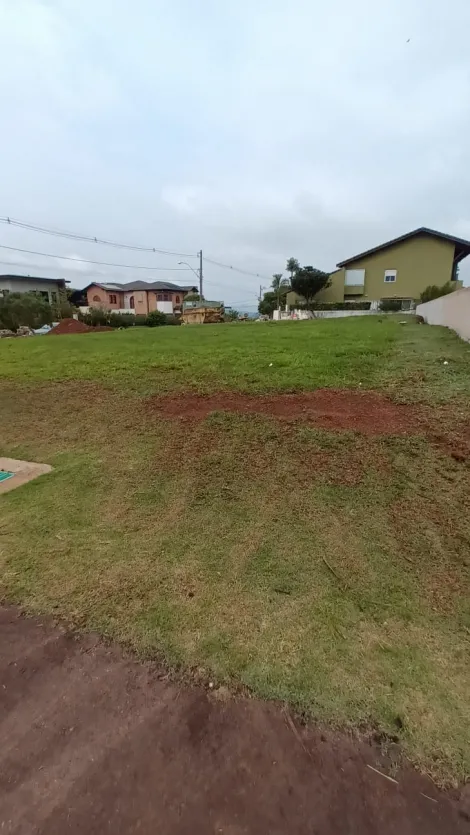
<point>139,297</point>
<point>398,269</point>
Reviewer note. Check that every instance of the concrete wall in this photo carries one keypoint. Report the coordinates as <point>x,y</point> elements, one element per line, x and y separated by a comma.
<point>21,286</point>
<point>452,311</point>
<point>333,314</point>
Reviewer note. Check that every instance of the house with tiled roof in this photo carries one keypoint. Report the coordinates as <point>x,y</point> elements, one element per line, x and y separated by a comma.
<point>139,297</point>
<point>399,269</point>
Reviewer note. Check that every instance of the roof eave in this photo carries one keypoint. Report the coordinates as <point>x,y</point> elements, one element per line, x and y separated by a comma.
<point>422,230</point>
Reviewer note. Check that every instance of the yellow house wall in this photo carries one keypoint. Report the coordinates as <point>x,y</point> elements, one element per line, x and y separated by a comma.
<point>419,262</point>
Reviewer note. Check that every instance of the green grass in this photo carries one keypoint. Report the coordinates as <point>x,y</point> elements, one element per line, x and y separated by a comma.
<point>326,569</point>
<point>304,355</point>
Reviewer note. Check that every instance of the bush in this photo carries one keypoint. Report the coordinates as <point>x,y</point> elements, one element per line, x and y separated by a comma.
<point>123,320</point>
<point>155,319</point>
<point>17,309</point>
<point>434,292</point>
<point>390,305</point>
<point>336,306</point>
<point>98,316</point>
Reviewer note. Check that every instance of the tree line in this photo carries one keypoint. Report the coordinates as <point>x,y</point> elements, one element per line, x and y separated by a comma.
<point>304,281</point>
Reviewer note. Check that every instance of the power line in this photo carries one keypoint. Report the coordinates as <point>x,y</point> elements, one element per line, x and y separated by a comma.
<point>90,239</point>
<point>93,239</point>
<point>236,269</point>
<point>28,265</point>
<point>100,263</point>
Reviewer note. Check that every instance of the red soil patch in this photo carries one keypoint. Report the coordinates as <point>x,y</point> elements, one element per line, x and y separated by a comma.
<point>74,326</point>
<point>343,409</point>
<point>94,742</point>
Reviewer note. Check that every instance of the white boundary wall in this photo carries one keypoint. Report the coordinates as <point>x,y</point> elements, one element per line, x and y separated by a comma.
<point>453,311</point>
<point>333,314</point>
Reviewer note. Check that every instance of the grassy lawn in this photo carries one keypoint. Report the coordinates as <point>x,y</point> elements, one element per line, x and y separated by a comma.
<point>326,569</point>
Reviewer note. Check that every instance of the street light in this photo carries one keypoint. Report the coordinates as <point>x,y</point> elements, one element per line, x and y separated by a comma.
<point>197,274</point>
<point>190,267</point>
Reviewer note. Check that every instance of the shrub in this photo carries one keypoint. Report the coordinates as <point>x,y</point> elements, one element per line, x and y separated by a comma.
<point>336,306</point>
<point>434,292</point>
<point>390,305</point>
<point>98,316</point>
<point>123,320</point>
<point>155,319</point>
<point>17,309</point>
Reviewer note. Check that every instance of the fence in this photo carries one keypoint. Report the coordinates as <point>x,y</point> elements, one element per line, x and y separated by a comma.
<point>453,311</point>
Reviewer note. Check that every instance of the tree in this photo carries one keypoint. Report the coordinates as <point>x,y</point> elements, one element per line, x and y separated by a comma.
<point>17,309</point>
<point>63,308</point>
<point>292,267</point>
<point>268,303</point>
<point>435,292</point>
<point>192,297</point>
<point>155,319</point>
<point>280,286</point>
<point>231,314</point>
<point>308,281</point>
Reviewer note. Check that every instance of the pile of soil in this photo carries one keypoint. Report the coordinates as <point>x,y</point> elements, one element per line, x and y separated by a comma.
<point>74,326</point>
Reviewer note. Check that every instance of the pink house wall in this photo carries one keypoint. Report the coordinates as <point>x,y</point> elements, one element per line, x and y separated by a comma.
<point>172,296</point>
<point>144,300</point>
<point>98,297</point>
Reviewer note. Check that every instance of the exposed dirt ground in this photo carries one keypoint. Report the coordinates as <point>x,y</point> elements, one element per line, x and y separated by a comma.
<point>368,412</point>
<point>92,741</point>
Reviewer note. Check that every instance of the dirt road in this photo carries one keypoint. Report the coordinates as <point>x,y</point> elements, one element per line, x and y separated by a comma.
<point>92,741</point>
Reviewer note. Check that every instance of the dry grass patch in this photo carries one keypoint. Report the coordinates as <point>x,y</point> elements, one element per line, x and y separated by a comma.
<point>325,569</point>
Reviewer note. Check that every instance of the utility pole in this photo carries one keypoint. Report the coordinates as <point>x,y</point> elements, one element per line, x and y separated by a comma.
<point>200,275</point>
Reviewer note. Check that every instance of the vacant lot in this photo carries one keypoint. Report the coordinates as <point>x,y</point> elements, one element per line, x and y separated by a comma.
<point>316,553</point>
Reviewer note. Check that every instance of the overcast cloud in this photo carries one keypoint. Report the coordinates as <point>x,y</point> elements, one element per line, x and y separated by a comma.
<point>255,130</point>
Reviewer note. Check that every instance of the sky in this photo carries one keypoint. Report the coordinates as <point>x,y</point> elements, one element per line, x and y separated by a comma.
<point>256,131</point>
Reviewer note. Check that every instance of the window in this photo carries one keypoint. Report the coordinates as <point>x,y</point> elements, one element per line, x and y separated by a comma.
<point>159,297</point>
<point>112,298</point>
<point>354,278</point>
<point>53,297</point>
<point>166,297</point>
<point>96,299</point>
<point>44,295</point>
<point>390,275</point>
<point>177,300</point>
